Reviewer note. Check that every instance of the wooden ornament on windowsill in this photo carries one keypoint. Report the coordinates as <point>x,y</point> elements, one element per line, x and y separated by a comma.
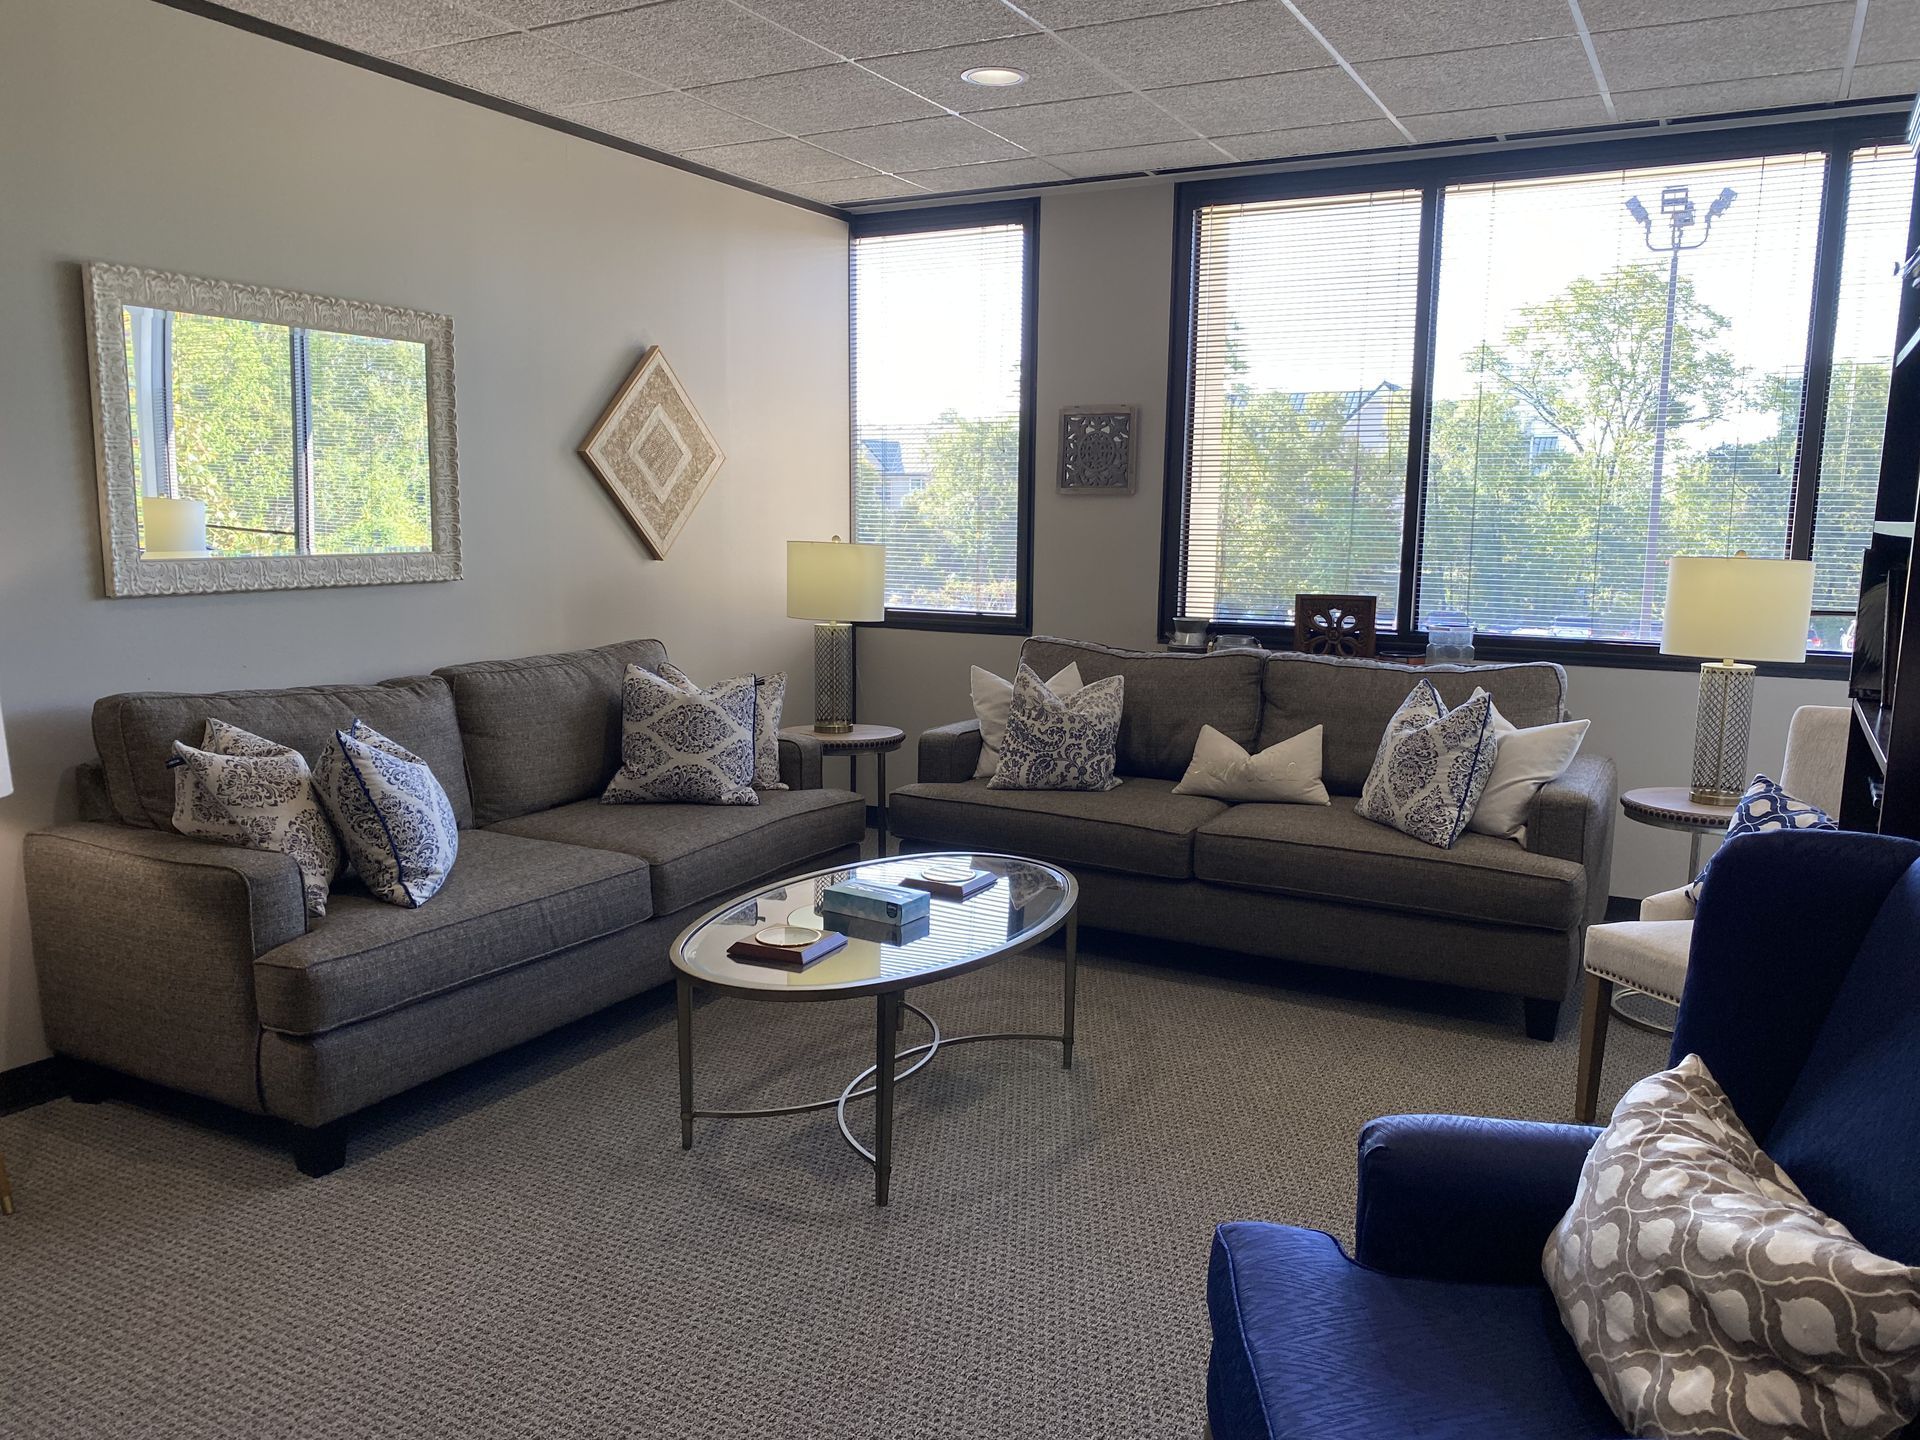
<point>1335,624</point>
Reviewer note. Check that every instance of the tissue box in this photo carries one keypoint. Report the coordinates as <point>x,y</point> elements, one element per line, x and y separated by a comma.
<point>894,904</point>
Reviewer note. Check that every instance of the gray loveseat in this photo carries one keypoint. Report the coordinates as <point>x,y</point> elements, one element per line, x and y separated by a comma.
<point>1294,882</point>
<point>193,964</point>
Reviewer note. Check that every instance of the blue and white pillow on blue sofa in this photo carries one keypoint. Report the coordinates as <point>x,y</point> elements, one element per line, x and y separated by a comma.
<point>1765,807</point>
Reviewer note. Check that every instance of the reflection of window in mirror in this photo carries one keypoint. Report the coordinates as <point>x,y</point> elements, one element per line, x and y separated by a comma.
<point>296,441</point>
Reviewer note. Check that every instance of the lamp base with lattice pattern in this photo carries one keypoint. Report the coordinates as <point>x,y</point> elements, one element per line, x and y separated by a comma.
<point>1720,735</point>
<point>833,677</point>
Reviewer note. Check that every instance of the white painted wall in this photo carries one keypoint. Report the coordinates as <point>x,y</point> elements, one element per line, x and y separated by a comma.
<point>1106,260</point>
<point>133,132</point>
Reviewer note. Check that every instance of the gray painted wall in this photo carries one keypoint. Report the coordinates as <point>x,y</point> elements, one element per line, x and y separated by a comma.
<point>1106,261</point>
<point>141,134</point>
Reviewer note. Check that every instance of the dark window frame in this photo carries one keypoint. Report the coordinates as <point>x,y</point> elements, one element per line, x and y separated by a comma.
<point>1025,213</point>
<point>1837,137</point>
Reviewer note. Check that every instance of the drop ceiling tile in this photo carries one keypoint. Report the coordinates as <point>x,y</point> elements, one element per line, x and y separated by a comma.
<point>779,162</point>
<point>1507,119</point>
<point>918,144</point>
<point>1104,123</point>
<point>376,27</point>
<point>872,186</point>
<point>1270,102</point>
<point>1059,14</point>
<point>1478,79</point>
<point>1781,42</point>
<point>1315,140</point>
<point>1720,97</point>
<point>956,178</point>
<point>669,121</point>
<point>832,97</point>
<point>693,42</point>
<point>863,28</point>
<point>1870,82</point>
<point>1892,32</point>
<point>1630,14</point>
<point>525,14</point>
<point>529,71</point>
<point>1054,72</point>
<point>1136,159</point>
<point>1222,42</point>
<point>1378,29</point>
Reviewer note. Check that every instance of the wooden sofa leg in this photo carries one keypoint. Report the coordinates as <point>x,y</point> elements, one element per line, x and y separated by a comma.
<point>1543,1018</point>
<point>1596,1005</point>
<point>320,1150</point>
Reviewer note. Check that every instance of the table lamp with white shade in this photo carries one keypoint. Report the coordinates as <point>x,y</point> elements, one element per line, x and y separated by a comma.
<point>834,583</point>
<point>1741,610</point>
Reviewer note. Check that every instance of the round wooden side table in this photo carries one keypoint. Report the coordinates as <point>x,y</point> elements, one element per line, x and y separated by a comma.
<point>878,741</point>
<point>1668,807</point>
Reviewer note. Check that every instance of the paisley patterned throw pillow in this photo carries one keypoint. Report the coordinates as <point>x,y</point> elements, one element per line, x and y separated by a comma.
<point>1708,1296</point>
<point>769,696</point>
<point>242,790</point>
<point>696,748</point>
<point>1431,766</point>
<point>1765,806</point>
<point>1056,742</point>
<point>392,813</point>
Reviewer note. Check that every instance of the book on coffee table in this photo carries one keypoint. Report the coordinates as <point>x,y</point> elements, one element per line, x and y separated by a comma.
<point>950,884</point>
<point>788,957</point>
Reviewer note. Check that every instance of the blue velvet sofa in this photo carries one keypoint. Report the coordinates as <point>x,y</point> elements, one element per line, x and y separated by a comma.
<point>1803,997</point>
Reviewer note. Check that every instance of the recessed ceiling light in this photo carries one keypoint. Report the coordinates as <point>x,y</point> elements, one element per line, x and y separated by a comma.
<point>995,75</point>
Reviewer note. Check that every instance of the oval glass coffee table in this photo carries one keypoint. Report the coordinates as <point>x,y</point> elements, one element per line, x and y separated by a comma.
<point>1027,903</point>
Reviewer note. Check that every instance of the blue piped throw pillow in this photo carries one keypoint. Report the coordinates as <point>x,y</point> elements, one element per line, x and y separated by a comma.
<point>392,814</point>
<point>1432,765</point>
<point>1765,807</point>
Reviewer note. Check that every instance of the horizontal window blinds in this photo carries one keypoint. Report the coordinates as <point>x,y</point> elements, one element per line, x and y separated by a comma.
<point>1879,207</point>
<point>1574,447</point>
<point>938,326</point>
<point>1302,346</point>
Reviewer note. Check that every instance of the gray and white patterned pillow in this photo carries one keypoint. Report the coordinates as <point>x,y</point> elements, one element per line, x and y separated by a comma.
<point>392,813</point>
<point>769,696</point>
<point>1056,742</point>
<point>1431,767</point>
<point>693,748</point>
<point>243,790</point>
<point>1708,1296</point>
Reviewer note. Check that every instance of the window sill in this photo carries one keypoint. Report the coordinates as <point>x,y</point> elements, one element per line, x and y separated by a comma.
<point>955,624</point>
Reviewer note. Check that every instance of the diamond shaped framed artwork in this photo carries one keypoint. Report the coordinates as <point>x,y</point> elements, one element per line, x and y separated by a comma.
<point>653,452</point>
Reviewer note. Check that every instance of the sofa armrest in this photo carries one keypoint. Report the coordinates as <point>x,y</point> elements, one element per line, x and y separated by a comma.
<point>800,762</point>
<point>1572,819</point>
<point>1457,1197</point>
<point>1668,905</point>
<point>145,941</point>
<point>950,753</point>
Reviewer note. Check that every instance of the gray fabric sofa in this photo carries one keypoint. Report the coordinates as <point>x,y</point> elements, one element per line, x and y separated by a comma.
<point>1294,882</point>
<point>193,964</point>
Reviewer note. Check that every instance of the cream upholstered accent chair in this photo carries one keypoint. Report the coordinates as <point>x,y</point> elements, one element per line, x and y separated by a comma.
<point>1650,954</point>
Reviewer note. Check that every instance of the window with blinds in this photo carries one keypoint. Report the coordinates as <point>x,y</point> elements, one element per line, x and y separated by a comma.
<point>1575,450</point>
<point>1302,367</point>
<point>1570,374</point>
<point>941,353</point>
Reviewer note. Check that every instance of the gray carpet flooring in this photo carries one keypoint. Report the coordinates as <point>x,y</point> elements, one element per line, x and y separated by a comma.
<point>523,1249</point>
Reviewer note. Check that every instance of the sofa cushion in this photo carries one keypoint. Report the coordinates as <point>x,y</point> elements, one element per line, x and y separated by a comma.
<point>508,901</point>
<point>1168,698</point>
<point>706,852</point>
<point>1354,700</point>
<point>1142,828</point>
<point>543,730</point>
<point>1308,1345</point>
<point>1330,853</point>
<point>135,734</point>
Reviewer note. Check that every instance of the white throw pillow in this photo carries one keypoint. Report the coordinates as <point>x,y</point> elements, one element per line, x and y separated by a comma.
<point>1523,762</point>
<point>392,814</point>
<point>1708,1296</point>
<point>243,790</point>
<point>993,698</point>
<point>1284,774</point>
